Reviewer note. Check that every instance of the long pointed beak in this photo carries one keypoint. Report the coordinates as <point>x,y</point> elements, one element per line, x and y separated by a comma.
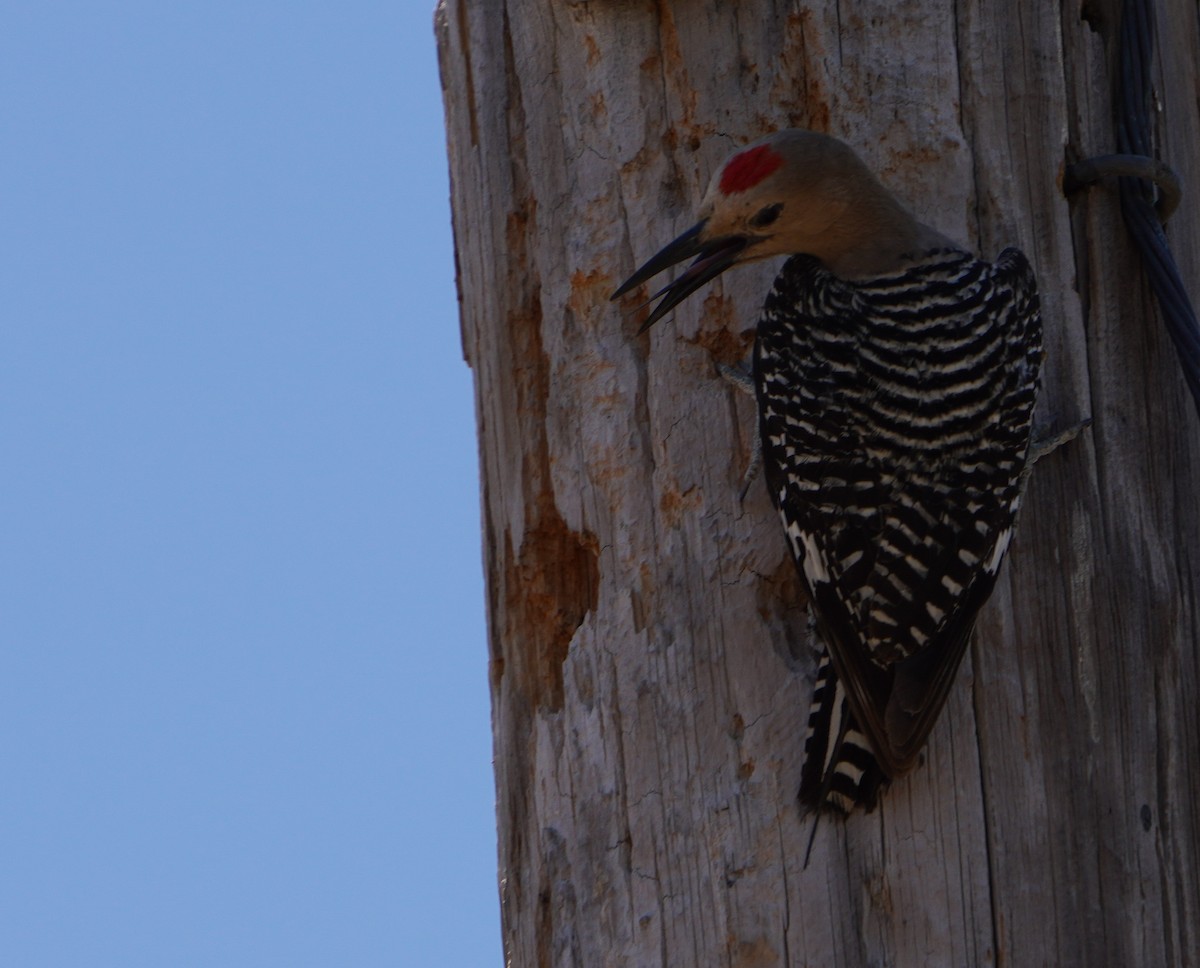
<point>713,257</point>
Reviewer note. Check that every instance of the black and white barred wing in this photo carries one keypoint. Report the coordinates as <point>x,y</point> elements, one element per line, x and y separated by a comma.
<point>896,421</point>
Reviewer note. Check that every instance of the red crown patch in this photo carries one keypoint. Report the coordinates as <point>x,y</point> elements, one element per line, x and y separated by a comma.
<point>747,169</point>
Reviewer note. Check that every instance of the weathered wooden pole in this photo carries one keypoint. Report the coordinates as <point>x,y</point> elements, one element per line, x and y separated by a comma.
<point>650,650</point>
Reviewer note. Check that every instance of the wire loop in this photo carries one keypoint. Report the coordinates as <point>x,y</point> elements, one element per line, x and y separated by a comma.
<point>1089,171</point>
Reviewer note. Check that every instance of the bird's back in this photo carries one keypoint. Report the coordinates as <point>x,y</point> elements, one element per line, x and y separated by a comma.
<point>895,416</point>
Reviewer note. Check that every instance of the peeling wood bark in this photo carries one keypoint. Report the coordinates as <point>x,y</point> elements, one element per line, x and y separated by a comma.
<point>650,649</point>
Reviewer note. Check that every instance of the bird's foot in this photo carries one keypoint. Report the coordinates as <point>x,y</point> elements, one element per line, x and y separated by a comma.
<point>1048,445</point>
<point>739,376</point>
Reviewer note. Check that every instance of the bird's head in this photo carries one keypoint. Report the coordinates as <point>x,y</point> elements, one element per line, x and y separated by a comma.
<point>789,193</point>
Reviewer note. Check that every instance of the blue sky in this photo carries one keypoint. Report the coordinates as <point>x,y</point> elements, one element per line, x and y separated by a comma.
<point>243,704</point>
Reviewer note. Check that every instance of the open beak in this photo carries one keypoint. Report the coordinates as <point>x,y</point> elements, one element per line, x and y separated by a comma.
<point>713,257</point>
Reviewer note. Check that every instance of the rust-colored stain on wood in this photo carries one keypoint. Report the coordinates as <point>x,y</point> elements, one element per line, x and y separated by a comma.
<point>550,573</point>
<point>588,291</point>
<point>675,503</point>
<point>725,345</point>
<point>593,50</point>
<point>597,107</point>
<point>753,954</point>
<point>552,581</point>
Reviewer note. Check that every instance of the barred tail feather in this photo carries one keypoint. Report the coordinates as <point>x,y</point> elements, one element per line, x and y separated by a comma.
<point>840,771</point>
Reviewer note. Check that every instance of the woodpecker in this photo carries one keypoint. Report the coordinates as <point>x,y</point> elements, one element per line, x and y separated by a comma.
<point>896,376</point>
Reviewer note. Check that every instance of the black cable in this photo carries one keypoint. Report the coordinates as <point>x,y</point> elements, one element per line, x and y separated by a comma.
<point>1139,171</point>
<point>1136,52</point>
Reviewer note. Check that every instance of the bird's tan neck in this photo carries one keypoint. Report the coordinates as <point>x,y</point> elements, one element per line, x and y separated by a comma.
<point>876,236</point>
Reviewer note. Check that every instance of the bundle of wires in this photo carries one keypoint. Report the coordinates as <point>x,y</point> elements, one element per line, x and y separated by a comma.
<point>1133,99</point>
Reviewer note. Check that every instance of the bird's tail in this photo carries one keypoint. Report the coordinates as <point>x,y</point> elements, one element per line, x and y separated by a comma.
<point>840,771</point>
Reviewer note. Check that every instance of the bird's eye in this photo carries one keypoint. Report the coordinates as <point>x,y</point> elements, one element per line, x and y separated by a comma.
<point>765,216</point>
